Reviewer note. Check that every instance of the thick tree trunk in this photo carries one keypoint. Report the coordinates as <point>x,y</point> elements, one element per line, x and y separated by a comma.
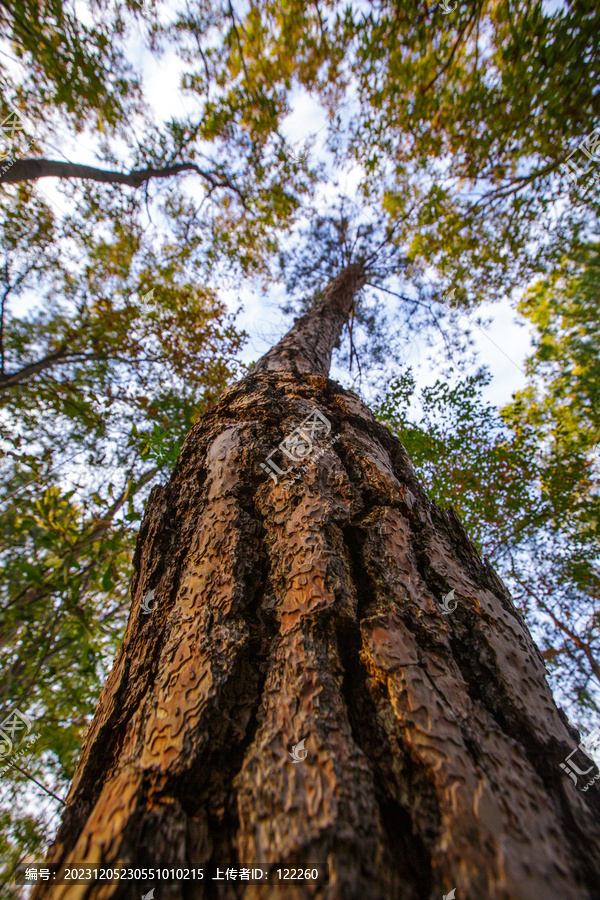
<point>312,611</point>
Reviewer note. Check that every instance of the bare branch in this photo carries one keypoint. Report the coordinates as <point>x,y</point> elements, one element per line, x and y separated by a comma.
<point>7,381</point>
<point>39,783</point>
<point>32,169</point>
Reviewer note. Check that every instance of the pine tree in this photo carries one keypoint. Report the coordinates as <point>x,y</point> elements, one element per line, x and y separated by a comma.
<point>293,585</point>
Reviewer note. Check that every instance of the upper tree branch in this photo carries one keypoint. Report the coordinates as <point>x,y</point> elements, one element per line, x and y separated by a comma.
<point>31,169</point>
<point>470,22</point>
<point>13,378</point>
<point>61,355</point>
<point>579,643</point>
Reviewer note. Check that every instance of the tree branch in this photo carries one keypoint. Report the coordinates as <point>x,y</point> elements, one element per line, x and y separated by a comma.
<point>7,381</point>
<point>39,783</point>
<point>32,169</point>
<point>470,22</point>
<point>581,645</point>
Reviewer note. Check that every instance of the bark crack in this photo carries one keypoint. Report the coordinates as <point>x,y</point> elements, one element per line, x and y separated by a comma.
<point>407,852</point>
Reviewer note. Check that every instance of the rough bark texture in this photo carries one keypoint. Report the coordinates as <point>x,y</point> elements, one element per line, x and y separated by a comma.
<point>433,740</point>
<point>308,346</point>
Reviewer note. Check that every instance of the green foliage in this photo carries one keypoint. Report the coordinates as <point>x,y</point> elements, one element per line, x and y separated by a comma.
<point>474,113</point>
<point>77,67</point>
<point>460,127</point>
<point>464,455</point>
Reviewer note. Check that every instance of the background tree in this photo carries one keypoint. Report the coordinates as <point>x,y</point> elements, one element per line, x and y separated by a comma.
<point>98,391</point>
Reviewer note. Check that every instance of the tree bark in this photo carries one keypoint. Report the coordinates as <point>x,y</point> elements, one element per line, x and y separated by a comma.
<point>312,611</point>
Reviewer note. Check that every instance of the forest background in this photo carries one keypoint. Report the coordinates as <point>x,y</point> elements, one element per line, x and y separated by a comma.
<point>177,181</point>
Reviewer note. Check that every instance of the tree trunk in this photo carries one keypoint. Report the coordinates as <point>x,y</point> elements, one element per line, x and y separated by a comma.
<point>311,611</point>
